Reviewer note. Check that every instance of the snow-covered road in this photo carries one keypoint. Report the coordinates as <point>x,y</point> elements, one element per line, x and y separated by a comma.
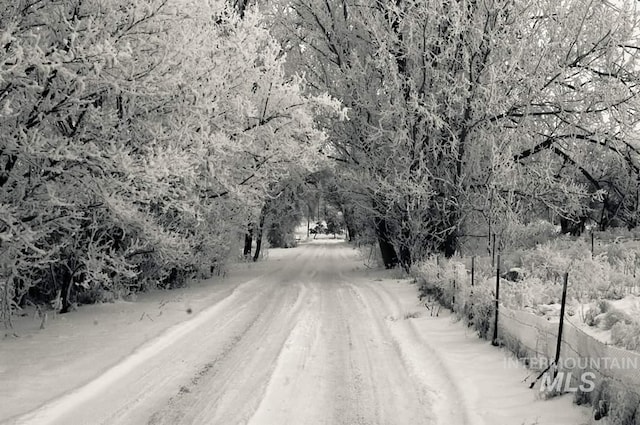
<point>313,340</point>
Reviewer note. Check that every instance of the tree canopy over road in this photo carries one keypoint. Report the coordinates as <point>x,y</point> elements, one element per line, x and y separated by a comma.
<point>135,138</point>
<point>468,114</point>
<point>140,142</point>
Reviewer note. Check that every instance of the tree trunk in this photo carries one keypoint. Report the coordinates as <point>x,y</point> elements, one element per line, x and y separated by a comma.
<point>574,227</point>
<point>66,295</point>
<point>260,231</point>
<point>248,241</point>
<point>405,243</point>
<point>405,256</point>
<point>351,233</point>
<point>388,252</point>
<point>348,221</point>
<point>450,244</point>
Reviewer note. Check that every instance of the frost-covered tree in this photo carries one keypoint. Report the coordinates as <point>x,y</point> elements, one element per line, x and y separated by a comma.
<point>469,112</point>
<point>133,137</point>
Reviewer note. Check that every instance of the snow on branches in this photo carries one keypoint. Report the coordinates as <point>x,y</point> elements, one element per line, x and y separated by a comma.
<point>466,114</point>
<point>132,135</point>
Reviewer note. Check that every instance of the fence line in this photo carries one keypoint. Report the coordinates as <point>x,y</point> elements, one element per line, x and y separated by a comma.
<point>588,354</point>
<point>616,371</point>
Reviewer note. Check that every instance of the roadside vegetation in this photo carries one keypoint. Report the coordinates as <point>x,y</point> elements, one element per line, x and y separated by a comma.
<point>144,144</point>
<point>138,140</point>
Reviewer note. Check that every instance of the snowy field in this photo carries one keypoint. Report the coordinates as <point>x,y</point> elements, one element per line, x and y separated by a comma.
<point>307,337</point>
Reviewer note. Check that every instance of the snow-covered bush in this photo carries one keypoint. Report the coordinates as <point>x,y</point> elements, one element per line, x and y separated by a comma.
<point>616,402</point>
<point>620,284</point>
<point>612,317</point>
<point>618,254</point>
<point>482,307</point>
<point>590,278</point>
<point>627,335</point>
<point>527,236</point>
<point>446,280</point>
<point>592,316</point>
<point>483,266</point>
<point>550,262</point>
<point>135,137</point>
<point>529,292</point>
<point>614,234</point>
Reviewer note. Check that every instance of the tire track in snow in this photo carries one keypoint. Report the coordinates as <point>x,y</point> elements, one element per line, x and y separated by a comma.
<point>230,393</point>
<point>285,394</point>
<point>64,409</point>
<point>450,404</point>
<point>309,343</point>
<point>339,366</point>
<point>398,395</point>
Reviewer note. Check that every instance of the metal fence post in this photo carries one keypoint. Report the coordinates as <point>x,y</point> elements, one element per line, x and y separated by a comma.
<point>494,341</point>
<point>473,269</point>
<point>564,301</point>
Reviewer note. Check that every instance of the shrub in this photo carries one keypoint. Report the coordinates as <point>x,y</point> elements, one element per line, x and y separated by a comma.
<point>620,284</point>
<point>604,306</point>
<point>591,315</point>
<point>482,308</point>
<point>546,263</point>
<point>612,317</point>
<point>626,335</point>
<point>600,399</point>
<point>530,235</point>
<point>624,407</point>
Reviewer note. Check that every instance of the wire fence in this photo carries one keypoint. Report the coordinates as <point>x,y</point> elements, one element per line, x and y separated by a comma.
<point>579,351</point>
<point>614,372</point>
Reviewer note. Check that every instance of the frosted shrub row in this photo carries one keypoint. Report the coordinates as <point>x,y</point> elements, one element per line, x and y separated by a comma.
<point>538,273</point>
